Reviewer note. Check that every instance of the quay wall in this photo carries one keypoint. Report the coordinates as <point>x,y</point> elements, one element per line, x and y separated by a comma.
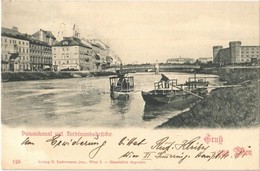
<point>230,107</point>
<point>43,75</point>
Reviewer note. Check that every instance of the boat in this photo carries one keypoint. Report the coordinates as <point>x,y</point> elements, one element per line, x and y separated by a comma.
<point>176,95</point>
<point>121,85</point>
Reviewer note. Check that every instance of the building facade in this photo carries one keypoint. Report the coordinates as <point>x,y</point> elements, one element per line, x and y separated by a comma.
<point>23,52</point>
<point>45,36</point>
<point>14,50</point>
<point>72,54</point>
<point>40,55</point>
<point>235,53</point>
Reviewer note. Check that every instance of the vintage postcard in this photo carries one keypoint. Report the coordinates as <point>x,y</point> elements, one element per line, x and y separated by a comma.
<point>130,85</point>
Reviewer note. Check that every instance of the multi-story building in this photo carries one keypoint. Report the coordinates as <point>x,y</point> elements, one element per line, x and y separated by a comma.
<point>97,54</point>
<point>15,50</point>
<point>235,53</point>
<point>45,36</point>
<point>40,55</point>
<point>71,53</point>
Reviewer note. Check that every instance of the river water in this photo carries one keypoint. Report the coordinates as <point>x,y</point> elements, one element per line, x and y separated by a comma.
<point>84,102</point>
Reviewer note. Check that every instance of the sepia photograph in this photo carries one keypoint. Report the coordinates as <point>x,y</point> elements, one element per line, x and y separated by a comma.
<point>166,80</point>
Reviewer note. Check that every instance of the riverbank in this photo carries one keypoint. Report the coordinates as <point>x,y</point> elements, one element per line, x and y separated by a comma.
<point>225,107</point>
<point>44,75</point>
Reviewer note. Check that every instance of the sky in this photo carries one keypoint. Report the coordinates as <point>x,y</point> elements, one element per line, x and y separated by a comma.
<point>142,32</point>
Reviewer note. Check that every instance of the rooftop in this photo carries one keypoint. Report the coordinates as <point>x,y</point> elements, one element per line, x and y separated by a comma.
<point>72,41</point>
<point>47,33</point>
<point>14,33</point>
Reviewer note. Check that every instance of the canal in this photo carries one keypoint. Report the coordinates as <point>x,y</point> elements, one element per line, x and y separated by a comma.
<point>84,102</point>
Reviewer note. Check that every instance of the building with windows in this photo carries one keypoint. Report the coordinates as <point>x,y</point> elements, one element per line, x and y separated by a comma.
<point>45,36</point>
<point>236,53</point>
<point>14,50</point>
<point>40,55</point>
<point>98,52</point>
<point>72,54</point>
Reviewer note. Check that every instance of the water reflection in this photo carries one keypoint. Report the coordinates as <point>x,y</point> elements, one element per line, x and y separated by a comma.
<point>153,111</point>
<point>82,102</point>
<point>121,105</point>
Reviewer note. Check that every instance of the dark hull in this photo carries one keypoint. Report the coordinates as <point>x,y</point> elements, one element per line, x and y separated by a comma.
<point>178,100</point>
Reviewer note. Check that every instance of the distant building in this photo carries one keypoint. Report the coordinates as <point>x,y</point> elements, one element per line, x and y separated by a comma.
<point>100,52</point>
<point>180,61</point>
<point>72,53</point>
<point>40,55</point>
<point>14,50</point>
<point>45,36</point>
<point>235,53</point>
<point>205,60</point>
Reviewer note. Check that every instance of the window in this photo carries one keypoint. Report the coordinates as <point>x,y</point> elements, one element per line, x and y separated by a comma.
<point>23,43</point>
<point>27,50</point>
<point>5,40</point>
<point>10,41</point>
<point>67,62</point>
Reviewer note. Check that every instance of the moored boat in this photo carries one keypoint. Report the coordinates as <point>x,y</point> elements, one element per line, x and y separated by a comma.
<point>177,95</point>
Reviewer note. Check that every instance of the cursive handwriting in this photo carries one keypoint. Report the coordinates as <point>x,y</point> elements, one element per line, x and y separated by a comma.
<point>27,142</point>
<point>162,144</point>
<point>55,142</point>
<point>214,155</point>
<point>192,144</point>
<point>129,154</point>
<point>132,141</point>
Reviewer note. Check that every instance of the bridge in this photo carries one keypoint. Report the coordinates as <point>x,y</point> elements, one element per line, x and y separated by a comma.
<point>162,67</point>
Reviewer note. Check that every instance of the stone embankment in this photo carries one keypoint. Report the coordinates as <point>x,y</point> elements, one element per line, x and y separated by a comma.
<point>228,107</point>
<point>44,75</point>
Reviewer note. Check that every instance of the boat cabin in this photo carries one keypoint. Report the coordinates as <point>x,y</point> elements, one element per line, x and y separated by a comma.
<point>121,83</point>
